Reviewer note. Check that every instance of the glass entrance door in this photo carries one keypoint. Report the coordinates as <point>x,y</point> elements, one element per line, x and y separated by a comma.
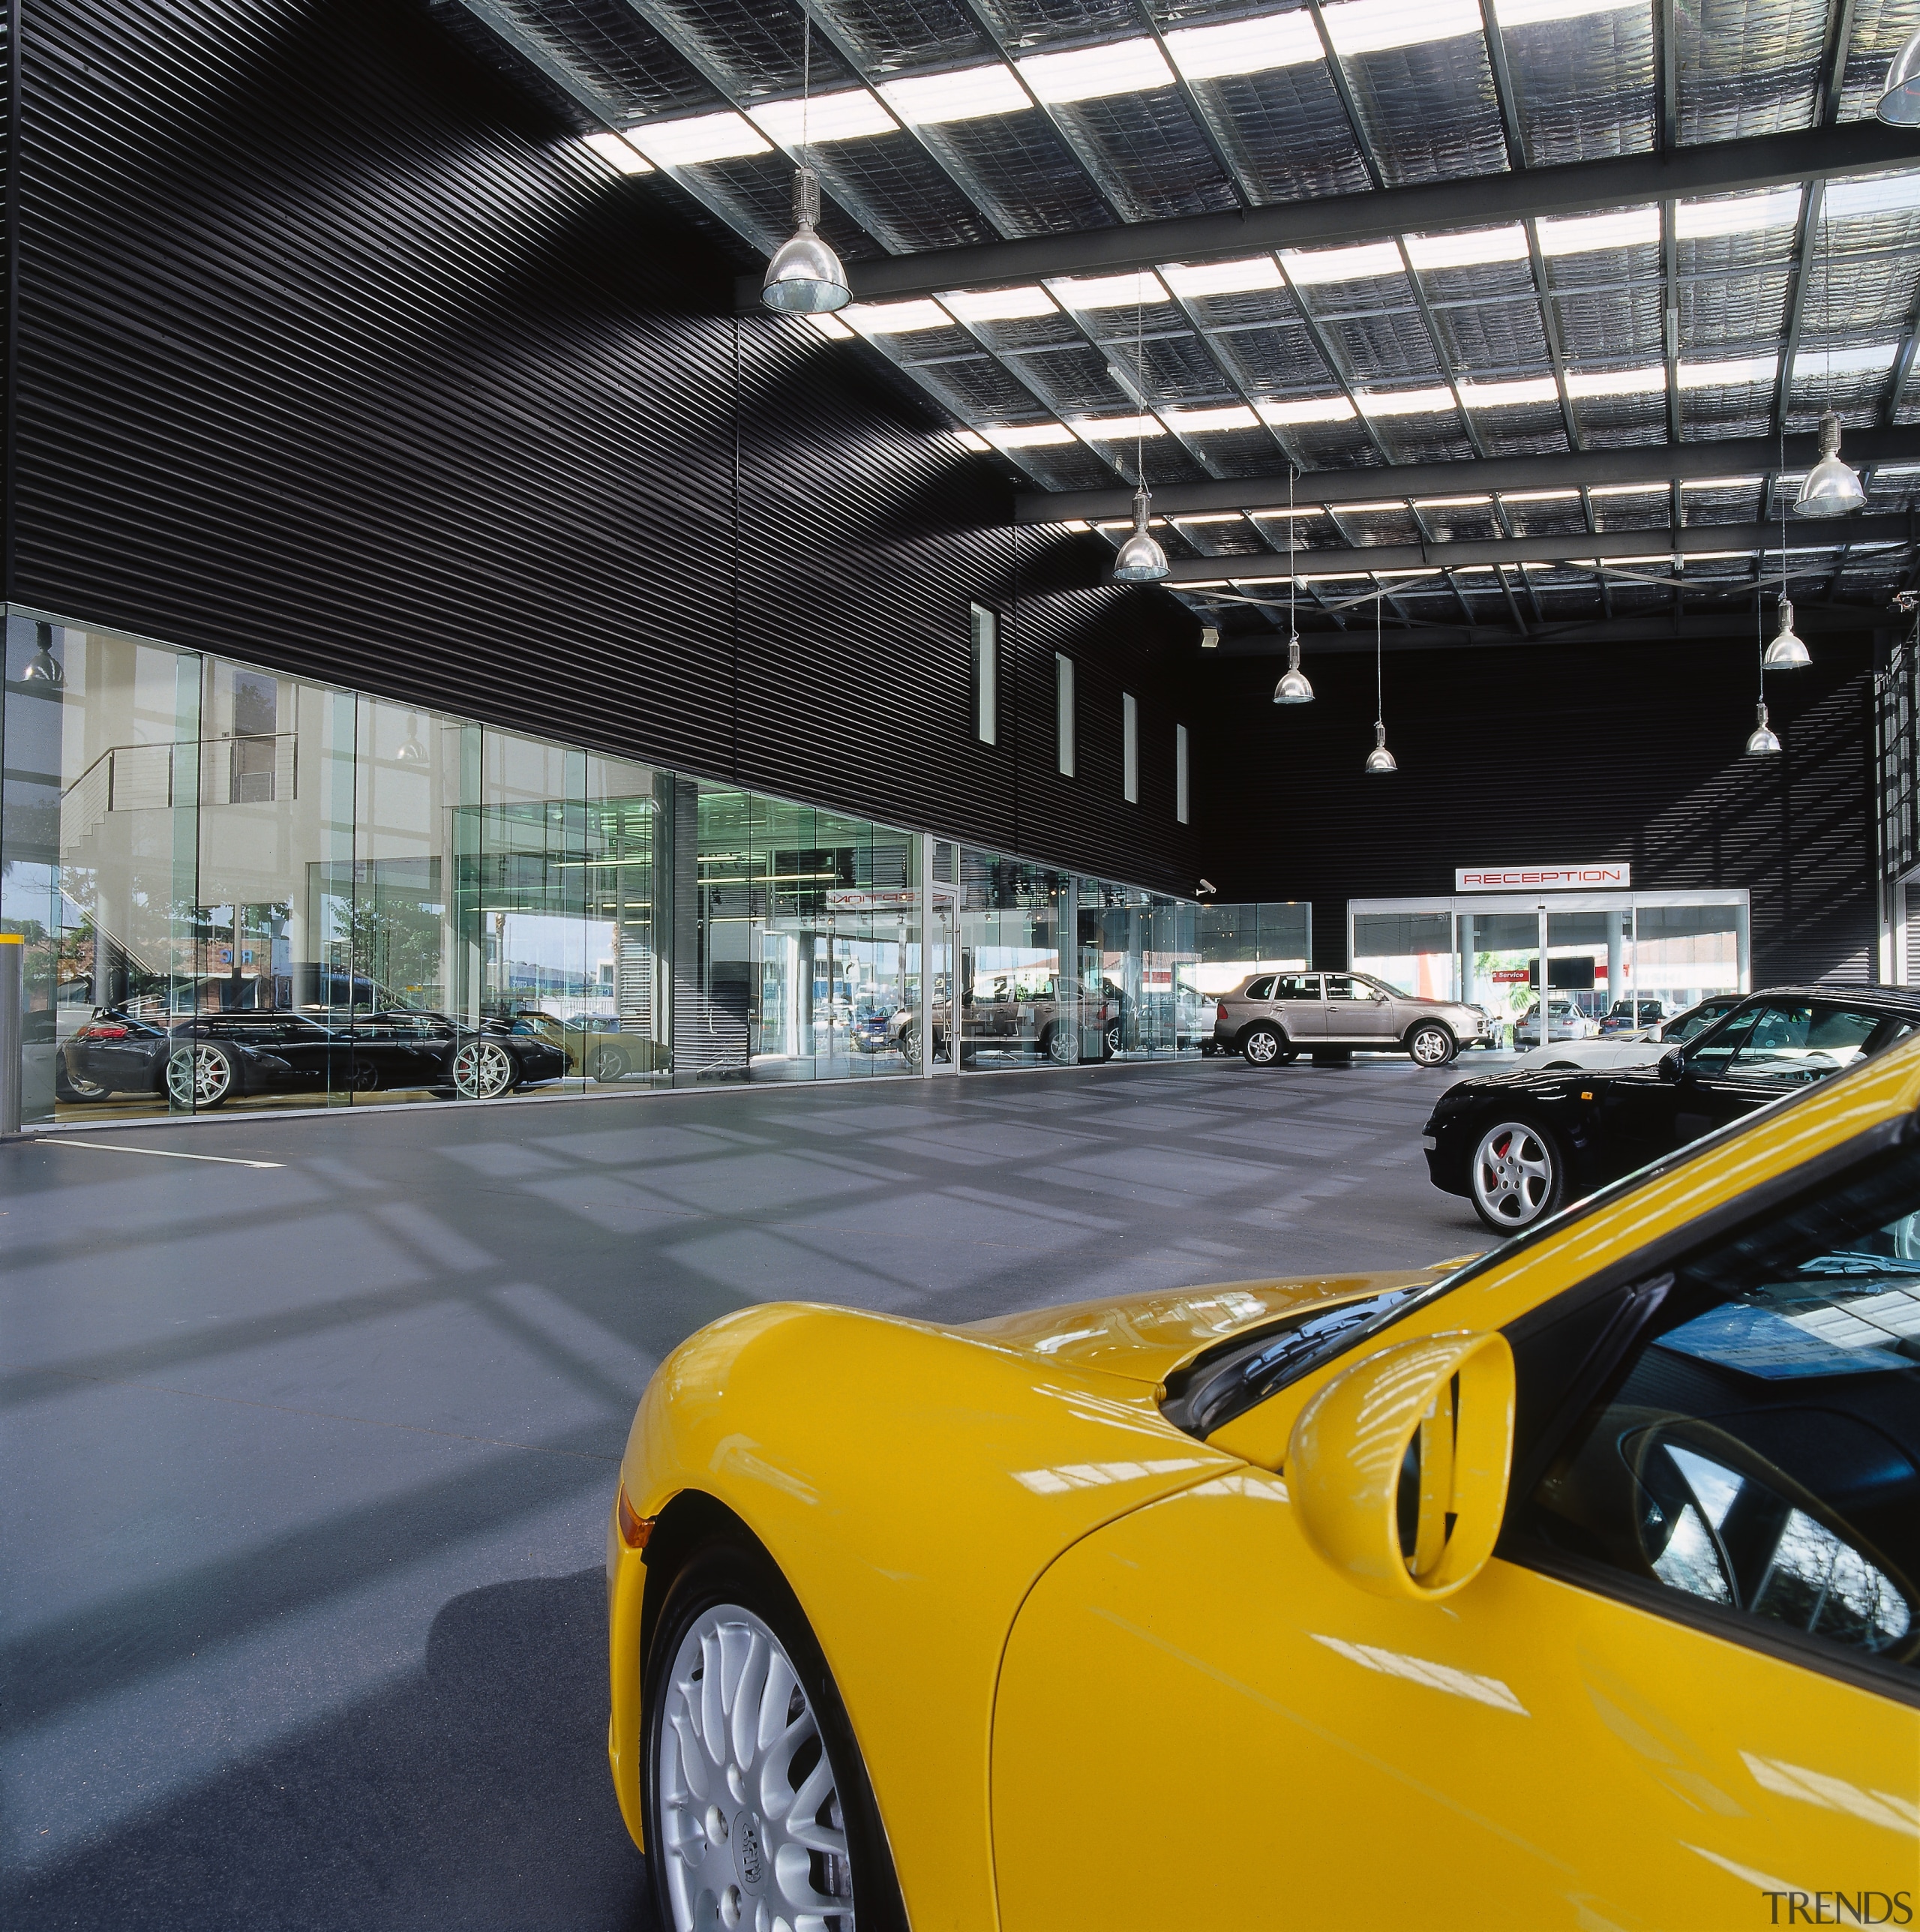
<point>1500,959</point>
<point>938,1027</point>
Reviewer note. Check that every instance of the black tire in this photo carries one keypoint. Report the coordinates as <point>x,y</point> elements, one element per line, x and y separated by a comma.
<point>77,1093</point>
<point>1264,1045</point>
<point>1508,1190</point>
<point>1110,1040</point>
<point>1431,1045</point>
<point>727,1572</point>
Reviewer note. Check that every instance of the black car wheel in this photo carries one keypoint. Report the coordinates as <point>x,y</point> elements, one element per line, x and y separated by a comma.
<point>483,1069</point>
<point>1110,1040</point>
<point>1518,1175</point>
<point>68,1086</point>
<point>764,1815</point>
<point>201,1074</point>
<point>1431,1045</point>
<point>609,1064</point>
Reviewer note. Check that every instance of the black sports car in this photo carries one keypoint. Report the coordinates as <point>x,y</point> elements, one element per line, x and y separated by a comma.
<point>203,1060</point>
<point>1520,1145</point>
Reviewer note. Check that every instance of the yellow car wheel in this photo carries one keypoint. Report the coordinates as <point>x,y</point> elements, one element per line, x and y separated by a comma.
<point>757,1804</point>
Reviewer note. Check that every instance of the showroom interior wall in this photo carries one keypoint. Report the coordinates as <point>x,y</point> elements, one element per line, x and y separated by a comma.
<point>1559,755</point>
<point>333,354</point>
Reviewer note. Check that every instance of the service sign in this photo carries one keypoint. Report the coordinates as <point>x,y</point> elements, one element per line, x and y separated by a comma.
<point>1542,878</point>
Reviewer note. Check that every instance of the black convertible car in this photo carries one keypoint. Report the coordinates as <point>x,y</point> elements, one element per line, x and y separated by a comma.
<point>1521,1145</point>
<point>203,1060</point>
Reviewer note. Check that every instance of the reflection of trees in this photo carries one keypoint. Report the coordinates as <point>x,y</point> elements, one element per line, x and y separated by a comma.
<point>393,943</point>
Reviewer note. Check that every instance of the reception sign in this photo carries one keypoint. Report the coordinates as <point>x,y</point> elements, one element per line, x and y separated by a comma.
<point>1542,878</point>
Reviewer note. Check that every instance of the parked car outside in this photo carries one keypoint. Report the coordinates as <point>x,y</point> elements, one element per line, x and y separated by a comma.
<point>1519,1145</point>
<point>1639,1048</point>
<point>1572,1586</point>
<point>1273,1018</point>
<point>1632,1016</point>
<point>1564,1020</point>
<point>593,1043</point>
<point>202,1061</point>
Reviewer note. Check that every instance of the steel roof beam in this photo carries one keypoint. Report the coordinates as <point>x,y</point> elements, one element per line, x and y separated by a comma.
<point>1732,625</point>
<point>1651,463</point>
<point>1462,553</point>
<point>1574,187</point>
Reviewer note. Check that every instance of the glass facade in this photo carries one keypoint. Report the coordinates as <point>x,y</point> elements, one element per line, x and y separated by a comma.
<point>240,889</point>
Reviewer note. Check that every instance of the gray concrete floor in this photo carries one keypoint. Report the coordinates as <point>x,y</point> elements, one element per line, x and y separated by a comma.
<point>303,1468</point>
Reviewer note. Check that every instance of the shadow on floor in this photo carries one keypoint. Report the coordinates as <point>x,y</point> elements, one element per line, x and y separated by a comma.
<point>472,1795</point>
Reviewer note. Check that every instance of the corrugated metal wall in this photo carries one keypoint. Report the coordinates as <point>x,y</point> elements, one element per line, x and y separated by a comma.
<point>1555,757</point>
<point>334,354</point>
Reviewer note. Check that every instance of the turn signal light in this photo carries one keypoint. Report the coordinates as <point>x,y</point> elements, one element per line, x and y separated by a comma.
<point>634,1528</point>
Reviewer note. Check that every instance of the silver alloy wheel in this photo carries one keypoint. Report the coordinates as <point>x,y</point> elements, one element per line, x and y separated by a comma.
<point>1512,1174</point>
<point>1062,1047</point>
<point>198,1076</point>
<point>1113,1039</point>
<point>910,1045</point>
<point>1262,1047</point>
<point>610,1063</point>
<point>750,1826</point>
<point>481,1069</point>
<point>1432,1046</point>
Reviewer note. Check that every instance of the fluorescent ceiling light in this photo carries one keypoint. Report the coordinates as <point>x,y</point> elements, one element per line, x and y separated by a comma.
<point>1026,436</point>
<point>1449,502</point>
<point>835,330</point>
<point>1888,194</point>
<point>1208,516</point>
<point>1540,496</point>
<point>1737,214</point>
<point>1580,234</point>
<point>900,318</point>
<point>1298,510</point>
<point>999,305</point>
<point>1469,249</point>
<point>1394,503</point>
<point>1731,369</point>
<point>1535,12</point>
<point>1091,292</point>
<point>1113,429</point>
<point>1092,74</point>
<point>1628,490</point>
<point>1245,46</point>
<point>619,152</point>
<point>1373,26</point>
<point>1199,421</point>
<point>1720,482</point>
<point>1689,558</point>
<point>971,438</point>
<point>846,116</point>
<point>1401,575</point>
<point>1224,278</point>
<point>1406,402</point>
<point>1343,264</point>
<point>1306,410</point>
<point>1810,363</point>
<point>703,137</point>
<point>1617,382</point>
<point>1503,395</point>
<point>966,94</point>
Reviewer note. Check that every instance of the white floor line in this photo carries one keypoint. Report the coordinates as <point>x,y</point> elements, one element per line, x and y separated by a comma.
<point>158,1153</point>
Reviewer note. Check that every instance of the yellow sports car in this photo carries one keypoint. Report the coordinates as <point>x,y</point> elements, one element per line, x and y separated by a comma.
<point>1573,1586</point>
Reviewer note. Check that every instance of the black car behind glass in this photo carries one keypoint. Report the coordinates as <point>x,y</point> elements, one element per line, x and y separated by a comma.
<point>1520,1145</point>
<point>204,1059</point>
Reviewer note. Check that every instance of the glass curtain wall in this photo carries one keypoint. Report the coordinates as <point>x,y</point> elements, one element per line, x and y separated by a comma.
<point>243,890</point>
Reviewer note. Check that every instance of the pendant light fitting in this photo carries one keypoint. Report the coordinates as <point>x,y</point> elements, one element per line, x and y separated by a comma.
<point>43,667</point>
<point>1763,742</point>
<point>1786,652</point>
<point>1831,489</point>
<point>1379,759</point>
<point>1899,105</point>
<point>1293,688</point>
<point>1141,559</point>
<point>805,277</point>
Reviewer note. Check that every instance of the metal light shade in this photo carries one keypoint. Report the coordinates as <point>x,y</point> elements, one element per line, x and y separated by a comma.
<point>1380,759</point>
<point>1899,98</point>
<point>1831,489</point>
<point>42,667</point>
<point>1293,688</point>
<point>412,752</point>
<point>1763,744</point>
<point>1786,652</point>
<point>805,278</point>
<point>1141,559</point>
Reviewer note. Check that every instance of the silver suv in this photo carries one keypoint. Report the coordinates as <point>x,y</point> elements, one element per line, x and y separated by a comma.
<point>1276,1017</point>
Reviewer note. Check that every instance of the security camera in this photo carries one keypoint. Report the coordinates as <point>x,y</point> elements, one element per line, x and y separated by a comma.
<point>1207,889</point>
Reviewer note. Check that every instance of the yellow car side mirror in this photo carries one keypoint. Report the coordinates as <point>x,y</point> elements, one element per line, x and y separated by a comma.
<point>1398,1468</point>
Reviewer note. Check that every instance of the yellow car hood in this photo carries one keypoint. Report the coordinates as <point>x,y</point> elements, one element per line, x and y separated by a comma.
<point>1145,1337</point>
